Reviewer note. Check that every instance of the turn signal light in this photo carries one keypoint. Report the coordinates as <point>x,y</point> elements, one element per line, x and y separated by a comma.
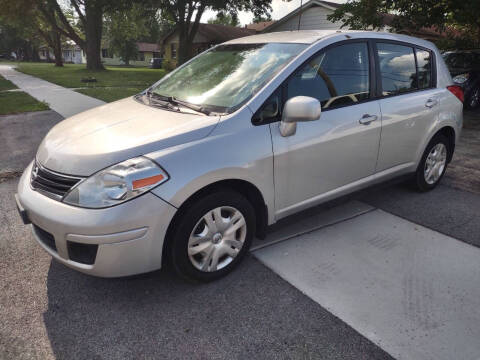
<point>140,183</point>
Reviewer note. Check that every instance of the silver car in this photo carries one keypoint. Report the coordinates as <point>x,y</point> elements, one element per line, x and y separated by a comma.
<point>244,134</point>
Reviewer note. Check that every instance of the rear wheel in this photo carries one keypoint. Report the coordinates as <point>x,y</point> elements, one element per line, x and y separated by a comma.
<point>433,164</point>
<point>212,236</point>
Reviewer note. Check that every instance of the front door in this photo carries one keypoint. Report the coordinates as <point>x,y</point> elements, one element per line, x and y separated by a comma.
<point>339,148</point>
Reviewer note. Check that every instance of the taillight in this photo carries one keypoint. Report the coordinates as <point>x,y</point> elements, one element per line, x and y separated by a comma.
<point>457,91</point>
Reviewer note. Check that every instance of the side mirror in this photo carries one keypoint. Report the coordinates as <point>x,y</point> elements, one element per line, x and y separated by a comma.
<point>299,109</point>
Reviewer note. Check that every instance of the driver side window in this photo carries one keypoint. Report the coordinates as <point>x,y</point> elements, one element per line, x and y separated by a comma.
<point>336,77</point>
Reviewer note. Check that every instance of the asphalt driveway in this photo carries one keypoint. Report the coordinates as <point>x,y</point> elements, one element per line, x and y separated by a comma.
<point>49,311</point>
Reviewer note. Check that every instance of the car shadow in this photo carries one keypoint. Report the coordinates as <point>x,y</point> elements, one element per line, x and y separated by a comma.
<point>157,315</point>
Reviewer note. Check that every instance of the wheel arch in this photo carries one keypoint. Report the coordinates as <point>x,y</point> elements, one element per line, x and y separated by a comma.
<point>449,133</point>
<point>245,188</point>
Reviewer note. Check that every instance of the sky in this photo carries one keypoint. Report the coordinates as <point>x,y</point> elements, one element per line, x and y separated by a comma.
<point>280,8</point>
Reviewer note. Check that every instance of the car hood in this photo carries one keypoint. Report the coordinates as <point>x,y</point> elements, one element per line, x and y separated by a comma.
<point>103,136</point>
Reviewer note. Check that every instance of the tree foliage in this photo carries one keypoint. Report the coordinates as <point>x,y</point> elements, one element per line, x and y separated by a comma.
<point>124,28</point>
<point>187,14</point>
<point>361,14</point>
<point>262,18</point>
<point>223,18</point>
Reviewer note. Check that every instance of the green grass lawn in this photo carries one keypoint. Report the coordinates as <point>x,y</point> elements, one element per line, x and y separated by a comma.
<point>14,102</point>
<point>112,84</point>
<point>5,84</point>
<point>110,94</point>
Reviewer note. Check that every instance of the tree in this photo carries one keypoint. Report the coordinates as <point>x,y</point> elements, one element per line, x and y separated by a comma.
<point>259,19</point>
<point>124,28</point>
<point>223,18</point>
<point>31,19</point>
<point>88,16</point>
<point>362,14</point>
<point>187,13</point>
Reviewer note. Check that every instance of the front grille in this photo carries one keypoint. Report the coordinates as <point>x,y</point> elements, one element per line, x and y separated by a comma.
<point>50,183</point>
<point>45,237</point>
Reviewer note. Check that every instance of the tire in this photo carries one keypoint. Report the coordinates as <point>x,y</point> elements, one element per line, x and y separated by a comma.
<point>224,241</point>
<point>427,177</point>
<point>473,100</point>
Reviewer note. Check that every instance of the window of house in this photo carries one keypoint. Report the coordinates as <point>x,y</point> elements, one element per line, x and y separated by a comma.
<point>140,56</point>
<point>338,76</point>
<point>173,50</point>
<point>397,68</point>
<point>105,53</point>
<point>424,67</point>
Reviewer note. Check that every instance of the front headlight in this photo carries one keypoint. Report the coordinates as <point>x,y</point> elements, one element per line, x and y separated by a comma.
<point>460,79</point>
<point>116,184</point>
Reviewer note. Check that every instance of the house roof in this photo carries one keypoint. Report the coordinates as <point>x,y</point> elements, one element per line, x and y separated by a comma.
<point>215,33</point>
<point>327,4</point>
<point>148,47</point>
<point>260,25</point>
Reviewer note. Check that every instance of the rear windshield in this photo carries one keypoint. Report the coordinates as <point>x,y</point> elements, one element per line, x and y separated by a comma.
<point>227,76</point>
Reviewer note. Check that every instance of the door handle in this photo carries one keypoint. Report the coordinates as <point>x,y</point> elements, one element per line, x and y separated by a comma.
<point>431,103</point>
<point>367,119</point>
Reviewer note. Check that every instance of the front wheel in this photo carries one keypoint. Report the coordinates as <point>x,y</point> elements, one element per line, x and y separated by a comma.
<point>433,164</point>
<point>212,236</point>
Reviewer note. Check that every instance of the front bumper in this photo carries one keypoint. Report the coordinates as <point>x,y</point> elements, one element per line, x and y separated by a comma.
<point>128,238</point>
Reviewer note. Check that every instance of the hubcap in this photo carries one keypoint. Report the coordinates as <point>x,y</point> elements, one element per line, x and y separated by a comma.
<point>217,239</point>
<point>435,164</point>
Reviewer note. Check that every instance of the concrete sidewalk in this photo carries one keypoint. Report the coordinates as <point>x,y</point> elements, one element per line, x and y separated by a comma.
<point>64,101</point>
<point>410,290</point>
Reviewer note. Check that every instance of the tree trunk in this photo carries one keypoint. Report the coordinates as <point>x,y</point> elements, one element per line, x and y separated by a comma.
<point>183,46</point>
<point>93,33</point>
<point>57,48</point>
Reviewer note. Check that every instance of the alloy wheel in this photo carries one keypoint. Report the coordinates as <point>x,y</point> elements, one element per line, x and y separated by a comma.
<point>435,163</point>
<point>474,99</point>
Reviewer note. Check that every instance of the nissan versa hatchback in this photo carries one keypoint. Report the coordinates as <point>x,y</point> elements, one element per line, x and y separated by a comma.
<point>244,134</point>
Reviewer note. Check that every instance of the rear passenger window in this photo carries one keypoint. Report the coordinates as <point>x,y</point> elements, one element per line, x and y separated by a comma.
<point>424,65</point>
<point>397,68</point>
<point>338,76</point>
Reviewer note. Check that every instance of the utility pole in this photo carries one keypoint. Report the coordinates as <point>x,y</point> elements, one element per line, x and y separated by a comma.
<point>300,14</point>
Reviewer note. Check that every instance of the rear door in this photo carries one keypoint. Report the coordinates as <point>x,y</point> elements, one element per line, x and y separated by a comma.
<point>408,101</point>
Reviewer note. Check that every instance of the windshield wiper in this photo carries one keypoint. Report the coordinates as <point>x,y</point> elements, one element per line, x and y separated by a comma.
<point>174,101</point>
<point>198,108</point>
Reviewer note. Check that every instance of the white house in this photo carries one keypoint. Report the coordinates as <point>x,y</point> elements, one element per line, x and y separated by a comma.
<point>311,16</point>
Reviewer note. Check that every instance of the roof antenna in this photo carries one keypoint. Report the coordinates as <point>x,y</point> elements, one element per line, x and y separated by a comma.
<point>300,14</point>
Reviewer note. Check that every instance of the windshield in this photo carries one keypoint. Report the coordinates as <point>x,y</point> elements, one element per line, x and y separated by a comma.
<point>226,77</point>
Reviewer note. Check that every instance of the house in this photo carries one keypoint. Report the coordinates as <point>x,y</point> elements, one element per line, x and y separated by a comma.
<point>260,26</point>
<point>72,53</point>
<point>313,15</point>
<point>207,36</point>
<point>146,51</point>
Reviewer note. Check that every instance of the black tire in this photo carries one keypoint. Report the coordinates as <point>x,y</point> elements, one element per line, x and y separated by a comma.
<point>178,247</point>
<point>419,182</point>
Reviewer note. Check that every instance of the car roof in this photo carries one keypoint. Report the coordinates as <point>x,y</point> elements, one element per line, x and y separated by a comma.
<point>312,36</point>
<point>300,37</point>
